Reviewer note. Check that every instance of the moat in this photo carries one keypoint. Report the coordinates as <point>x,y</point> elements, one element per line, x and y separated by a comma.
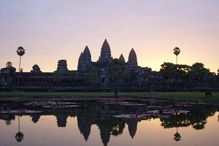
<point>109,122</point>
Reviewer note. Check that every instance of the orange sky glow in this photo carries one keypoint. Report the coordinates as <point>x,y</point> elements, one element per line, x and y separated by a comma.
<point>52,30</point>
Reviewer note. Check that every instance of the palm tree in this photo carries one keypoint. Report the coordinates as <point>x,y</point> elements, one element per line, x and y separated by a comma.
<point>176,51</point>
<point>19,135</point>
<point>9,64</point>
<point>177,136</point>
<point>116,69</point>
<point>20,52</point>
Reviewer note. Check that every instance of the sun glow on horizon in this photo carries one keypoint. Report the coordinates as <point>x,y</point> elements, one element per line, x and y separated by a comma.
<point>53,30</point>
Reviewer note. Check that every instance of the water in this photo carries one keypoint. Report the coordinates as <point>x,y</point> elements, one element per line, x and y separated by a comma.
<point>111,122</point>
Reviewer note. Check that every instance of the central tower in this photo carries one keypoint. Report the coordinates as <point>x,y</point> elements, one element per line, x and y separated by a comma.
<point>105,55</point>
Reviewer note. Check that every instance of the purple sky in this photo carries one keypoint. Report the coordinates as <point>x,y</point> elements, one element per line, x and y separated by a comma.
<point>50,30</point>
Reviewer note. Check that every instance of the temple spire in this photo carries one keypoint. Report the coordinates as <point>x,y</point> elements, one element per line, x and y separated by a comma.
<point>87,54</point>
<point>132,60</point>
<point>84,61</point>
<point>122,59</point>
<point>105,55</point>
<point>132,127</point>
<point>81,62</point>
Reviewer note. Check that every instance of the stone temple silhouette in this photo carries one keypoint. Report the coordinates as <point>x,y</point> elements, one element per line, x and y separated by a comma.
<point>90,75</point>
<point>85,63</point>
<point>95,76</point>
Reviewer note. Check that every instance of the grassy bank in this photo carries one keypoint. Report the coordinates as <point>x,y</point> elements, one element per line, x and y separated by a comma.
<point>195,96</point>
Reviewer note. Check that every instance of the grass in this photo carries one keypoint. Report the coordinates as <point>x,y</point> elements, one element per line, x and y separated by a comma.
<point>188,96</point>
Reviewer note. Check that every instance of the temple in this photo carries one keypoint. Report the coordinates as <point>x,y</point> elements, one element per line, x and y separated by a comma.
<point>94,76</point>
<point>86,66</point>
<point>85,63</point>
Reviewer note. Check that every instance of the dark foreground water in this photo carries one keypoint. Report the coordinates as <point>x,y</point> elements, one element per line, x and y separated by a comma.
<point>108,122</point>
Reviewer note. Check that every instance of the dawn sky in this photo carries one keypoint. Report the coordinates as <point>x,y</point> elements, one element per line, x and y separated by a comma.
<point>50,30</point>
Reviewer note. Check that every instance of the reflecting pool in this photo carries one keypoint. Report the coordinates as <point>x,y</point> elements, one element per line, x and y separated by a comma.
<point>111,122</point>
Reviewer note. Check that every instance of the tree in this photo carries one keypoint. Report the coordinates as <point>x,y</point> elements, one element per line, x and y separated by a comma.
<point>20,52</point>
<point>9,64</point>
<point>177,136</point>
<point>116,70</point>
<point>176,51</point>
<point>117,127</point>
<point>175,76</point>
<point>19,135</point>
<point>92,76</point>
<point>168,70</point>
<point>198,72</point>
<point>200,75</point>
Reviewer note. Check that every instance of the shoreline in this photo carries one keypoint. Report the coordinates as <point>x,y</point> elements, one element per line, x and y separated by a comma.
<point>181,96</point>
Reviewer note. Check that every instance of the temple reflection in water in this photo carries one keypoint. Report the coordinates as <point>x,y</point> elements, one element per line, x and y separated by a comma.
<point>111,116</point>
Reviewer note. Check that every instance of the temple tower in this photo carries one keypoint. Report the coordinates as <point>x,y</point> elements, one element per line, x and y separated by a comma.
<point>87,55</point>
<point>84,61</point>
<point>132,127</point>
<point>105,56</point>
<point>132,60</point>
<point>62,67</point>
<point>122,59</point>
<point>81,65</point>
<point>84,125</point>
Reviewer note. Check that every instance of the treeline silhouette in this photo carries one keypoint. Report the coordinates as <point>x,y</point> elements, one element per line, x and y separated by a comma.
<point>171,77</point>
<point>185,77</point>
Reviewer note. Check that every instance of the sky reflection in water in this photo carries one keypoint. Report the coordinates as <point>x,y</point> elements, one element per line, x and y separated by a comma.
<point>95,125</point>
